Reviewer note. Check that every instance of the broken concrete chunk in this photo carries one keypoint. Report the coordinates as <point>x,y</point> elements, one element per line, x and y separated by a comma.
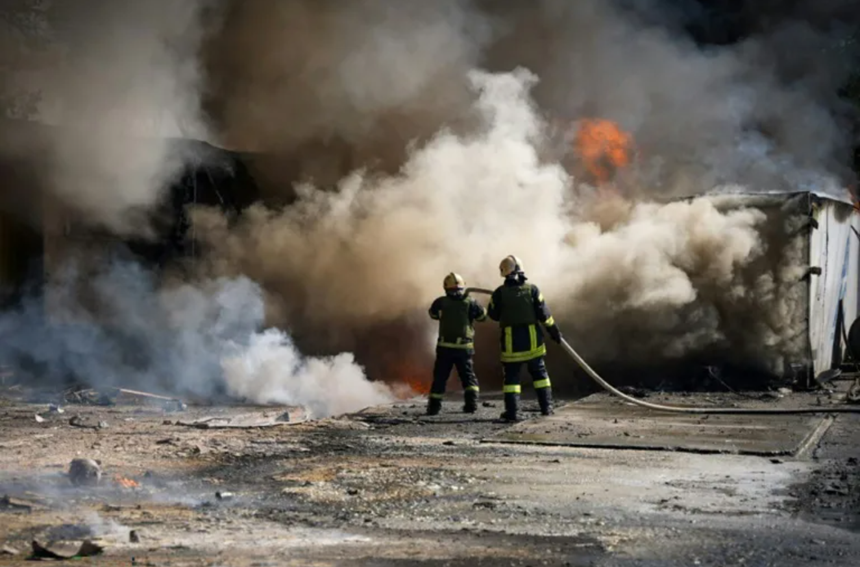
<point>250,420</point>
<point>7,503</point>
<point>85,472</point>
<point>87,549</point>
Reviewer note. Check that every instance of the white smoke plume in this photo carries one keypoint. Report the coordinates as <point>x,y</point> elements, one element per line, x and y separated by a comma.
<point>269,369</point>
<point>129,83</point>
<point>118,326</point>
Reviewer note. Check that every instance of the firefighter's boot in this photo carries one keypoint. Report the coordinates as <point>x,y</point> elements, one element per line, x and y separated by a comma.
<point>512,406</point>
<point>434,406</point>
<point>544,396</point>
<point>470,403</point>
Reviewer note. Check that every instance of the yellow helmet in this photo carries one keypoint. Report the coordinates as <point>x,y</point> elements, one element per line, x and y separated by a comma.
<point>453,281</point>
<point>510,266</point>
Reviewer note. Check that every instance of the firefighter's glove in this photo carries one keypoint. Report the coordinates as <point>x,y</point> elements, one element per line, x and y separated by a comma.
<point>555,333</point>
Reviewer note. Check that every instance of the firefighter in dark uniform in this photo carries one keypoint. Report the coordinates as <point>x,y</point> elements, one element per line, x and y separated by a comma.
<point>456,314</point>
<point>519,307</point>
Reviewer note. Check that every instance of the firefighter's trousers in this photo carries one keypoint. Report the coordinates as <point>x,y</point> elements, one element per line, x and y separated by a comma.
<point>446,360</point>
<point>540,382</point>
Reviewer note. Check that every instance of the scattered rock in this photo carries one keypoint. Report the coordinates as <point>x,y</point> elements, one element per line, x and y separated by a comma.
<point>224,495</point>
<point>133,536</point>
<point>777,461</point>
<point>87,549</point>
<point>449,443</point>
<point>352,491</point>
<point>55,408</point>
<point>78,421</point>
<point>85,472</point>
<point>488,404</point>
<point>40,419</point>
<point>7,503</point>
<point>6,550</point>
<point>485,504</point>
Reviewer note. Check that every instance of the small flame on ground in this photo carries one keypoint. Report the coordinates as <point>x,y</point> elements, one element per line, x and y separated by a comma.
<point>417,385</point>
<point>416,378</point>
<point>126,482</point>
<point>603,147</point>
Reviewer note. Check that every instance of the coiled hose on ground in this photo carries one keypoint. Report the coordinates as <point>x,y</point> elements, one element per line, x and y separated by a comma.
<point>682,409</point>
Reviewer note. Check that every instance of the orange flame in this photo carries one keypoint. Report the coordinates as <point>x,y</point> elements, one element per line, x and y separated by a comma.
<point>126,482</point>
<point>603,147</point>
<point>412,375</point>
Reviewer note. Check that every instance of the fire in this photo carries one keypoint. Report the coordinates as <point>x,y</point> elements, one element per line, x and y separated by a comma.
<point>417,385</point>
<point>603,146</point>
<point>412,375</point>
<point>126,482</point>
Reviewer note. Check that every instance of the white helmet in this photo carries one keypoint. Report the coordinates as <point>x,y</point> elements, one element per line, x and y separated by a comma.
<point>453,281</point>
<point>510,265</point>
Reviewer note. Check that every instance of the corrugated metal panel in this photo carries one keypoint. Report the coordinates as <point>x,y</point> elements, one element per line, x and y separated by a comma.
<point>834,249</point>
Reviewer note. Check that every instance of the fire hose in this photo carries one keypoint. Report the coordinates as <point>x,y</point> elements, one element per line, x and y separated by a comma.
<point>682,409</point>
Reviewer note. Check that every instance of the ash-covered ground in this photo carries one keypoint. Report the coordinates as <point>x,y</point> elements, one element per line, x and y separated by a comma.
<point>389,486</point>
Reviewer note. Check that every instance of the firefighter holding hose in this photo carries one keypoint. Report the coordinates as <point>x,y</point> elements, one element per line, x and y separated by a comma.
<point>455,347</point>
<point>519,306</point>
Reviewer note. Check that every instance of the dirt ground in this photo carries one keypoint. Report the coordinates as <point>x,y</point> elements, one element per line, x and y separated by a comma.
<point>389,486</point>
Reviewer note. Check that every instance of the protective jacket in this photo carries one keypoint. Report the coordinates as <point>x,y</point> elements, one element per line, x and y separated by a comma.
<point>519,307</point>
<point>456,315</point>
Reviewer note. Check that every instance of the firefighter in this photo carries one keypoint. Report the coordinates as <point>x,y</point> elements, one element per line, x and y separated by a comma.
<point>519,306</point>
<point>456,314</point>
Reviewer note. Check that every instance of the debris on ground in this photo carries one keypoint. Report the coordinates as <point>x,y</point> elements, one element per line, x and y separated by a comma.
<point>7,550</point>
<point>78,421</point>
<point>136,396</point>
<point>293,415</point>
<point>85,472</point>
<point>87,549</point>
<point>7,503</point>
<point>223,495</point>
<point>88,396</point>
<point>133,536</point>
<point>853,396</point>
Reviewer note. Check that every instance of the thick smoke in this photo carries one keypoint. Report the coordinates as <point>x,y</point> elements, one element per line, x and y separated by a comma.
<point>753,112</point>
<point>129,83</point>
<point>375,248</point>
<point>112,324</point>
<point>329,86</point>
<point>396,143</point>
<point>372,222</point>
